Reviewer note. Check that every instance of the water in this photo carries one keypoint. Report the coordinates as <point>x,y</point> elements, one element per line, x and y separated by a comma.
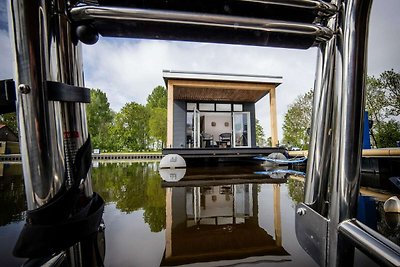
<point>200,223</point>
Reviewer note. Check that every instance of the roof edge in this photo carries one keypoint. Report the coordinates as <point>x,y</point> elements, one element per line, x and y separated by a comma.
<point>186,75</point>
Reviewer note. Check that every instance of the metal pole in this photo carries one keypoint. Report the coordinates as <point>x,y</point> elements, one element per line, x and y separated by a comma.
<point>40,141</point>
<point>321,137</point>
<point>348,106</point>
<point>50,132</point>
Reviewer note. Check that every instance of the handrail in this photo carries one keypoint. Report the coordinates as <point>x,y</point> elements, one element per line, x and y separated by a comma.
<point>373,244</point>
<point>121,15</point>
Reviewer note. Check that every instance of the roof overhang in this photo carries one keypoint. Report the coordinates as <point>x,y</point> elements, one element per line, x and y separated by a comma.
<point>219,87</point>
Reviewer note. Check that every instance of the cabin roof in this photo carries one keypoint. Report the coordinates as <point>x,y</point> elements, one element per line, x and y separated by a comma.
<point>231,77</point>
<point>220,87</point>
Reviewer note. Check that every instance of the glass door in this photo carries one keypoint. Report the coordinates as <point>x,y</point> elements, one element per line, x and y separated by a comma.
<point>196,128</point>
<point>241,129</point>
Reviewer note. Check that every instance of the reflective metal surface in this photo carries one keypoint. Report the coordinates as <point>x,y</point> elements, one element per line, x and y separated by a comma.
<point>43,156</point>
<point>378,247</point>
<point>319,151</point>
<point>311,229</point>
<point>347,123</point>
<point>45,51</point>
<point>117,21</point>
<point>317,7</point>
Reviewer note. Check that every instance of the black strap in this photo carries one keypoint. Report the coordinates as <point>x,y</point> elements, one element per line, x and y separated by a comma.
<point>39,240</point>
<point>64,220</point>
<point>57,91</point>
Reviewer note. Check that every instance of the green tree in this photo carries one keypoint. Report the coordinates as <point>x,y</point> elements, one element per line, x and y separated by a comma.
<point>157,98</point>
<point>383,104</point>
<point>298,120</point>
<point>158,125</point>
<point>10,120</point>
<point>99,117</point>
<point>389,134</point>
<point>131,128</point>
<point>157,105</point>
<point>390,81</point>
<point>260,138</point>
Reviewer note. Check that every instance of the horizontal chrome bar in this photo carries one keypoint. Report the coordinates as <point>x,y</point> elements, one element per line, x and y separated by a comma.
<point>373,244</point>
<point>118,14</point>
<point>321,7</point>
<point>317,5</point>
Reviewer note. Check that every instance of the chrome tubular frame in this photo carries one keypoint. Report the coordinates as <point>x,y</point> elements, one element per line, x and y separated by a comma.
<point>334,167</point>
<point>348,108</point>
<point>47,54</point>
<point>113,14</point>
<point>45,51</point>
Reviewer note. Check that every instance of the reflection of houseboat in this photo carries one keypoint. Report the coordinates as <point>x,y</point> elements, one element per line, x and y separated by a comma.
<point>213,223</point>
<point>209,112</point>
<point>220,175</point>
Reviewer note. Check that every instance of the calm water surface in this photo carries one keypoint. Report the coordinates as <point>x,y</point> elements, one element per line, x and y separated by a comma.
<point>149,224</point>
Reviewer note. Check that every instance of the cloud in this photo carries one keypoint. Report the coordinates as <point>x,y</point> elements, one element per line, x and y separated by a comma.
<point>7,62</point>
<point>384,37</point>
<point>3,14</point>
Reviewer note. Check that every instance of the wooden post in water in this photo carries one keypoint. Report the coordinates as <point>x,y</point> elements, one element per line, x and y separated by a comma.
<point>277,214</point>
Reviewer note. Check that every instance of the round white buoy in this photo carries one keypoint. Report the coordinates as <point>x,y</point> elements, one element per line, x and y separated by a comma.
<point>172,161</point>
<point>172,175</point>
<point>392,205</point>
<point>276,155</point>
<point>273,156</point>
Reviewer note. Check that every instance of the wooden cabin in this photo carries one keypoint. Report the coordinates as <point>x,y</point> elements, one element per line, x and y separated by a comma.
<point>214,110</point>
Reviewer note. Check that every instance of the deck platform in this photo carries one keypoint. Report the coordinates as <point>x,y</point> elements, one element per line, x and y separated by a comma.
<point>188,153</point>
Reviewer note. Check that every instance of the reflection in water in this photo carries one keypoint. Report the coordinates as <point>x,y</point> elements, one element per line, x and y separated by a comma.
<point>133,187</point>
<point>12,194</point>
<point>210,223</point>
<point>208,217</point>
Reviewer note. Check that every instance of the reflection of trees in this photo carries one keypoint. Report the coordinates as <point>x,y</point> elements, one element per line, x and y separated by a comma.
<point>12,200</point>
<point>133,187</point>
<point>296,190</point>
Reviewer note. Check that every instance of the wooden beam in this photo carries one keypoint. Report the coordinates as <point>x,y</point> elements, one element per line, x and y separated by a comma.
<point>273,117</point>
<point>170,114</point>
<point>221,85</point>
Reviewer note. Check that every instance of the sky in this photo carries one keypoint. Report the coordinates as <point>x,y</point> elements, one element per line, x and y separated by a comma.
<point>128,69</point>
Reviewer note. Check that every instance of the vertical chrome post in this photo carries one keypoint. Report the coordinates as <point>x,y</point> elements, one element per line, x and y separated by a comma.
<point>321,137</point>
<point>45,51</point>
<point>348,106</point>
<point>51,132</point>
<point>40,140</point>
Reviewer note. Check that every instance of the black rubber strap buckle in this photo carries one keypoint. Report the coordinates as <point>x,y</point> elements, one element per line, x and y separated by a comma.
<point>64,220</point>
<point>57,91</point>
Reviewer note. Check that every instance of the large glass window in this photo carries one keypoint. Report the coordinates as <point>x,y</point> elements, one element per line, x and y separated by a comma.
<point>223,107</point>
<point>241,129</point>
<point>237,107</point>
<point>189,129</point>
<point>206,107</point>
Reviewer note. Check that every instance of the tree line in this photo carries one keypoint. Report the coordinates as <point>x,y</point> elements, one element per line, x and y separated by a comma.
<point>135,127</point>
<point>382,101</point>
